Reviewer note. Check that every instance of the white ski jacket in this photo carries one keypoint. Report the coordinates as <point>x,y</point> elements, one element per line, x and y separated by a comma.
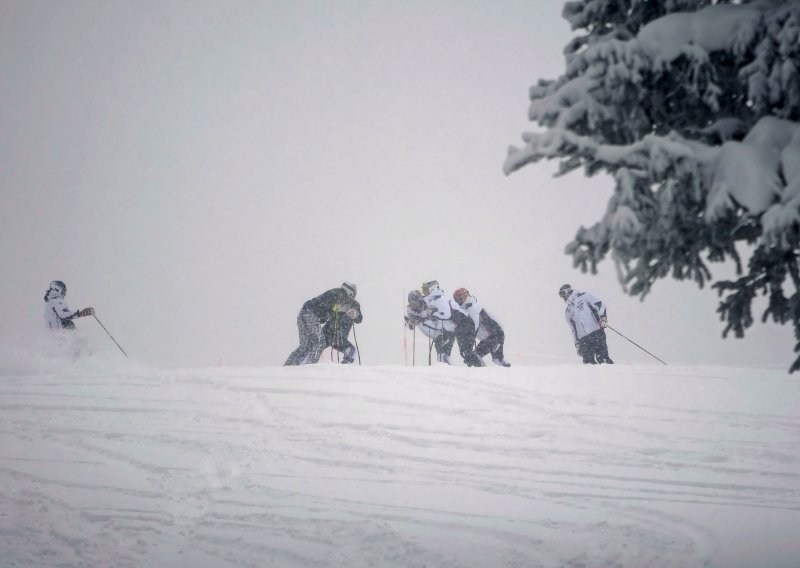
<point>422,319</point>
<point>442,306</point>
<point>583,314</point>
<point>56,313</point>
<point>473,309</point>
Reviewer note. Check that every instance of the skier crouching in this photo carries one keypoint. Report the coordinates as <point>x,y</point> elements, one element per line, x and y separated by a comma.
<point>488,330</point>
<point>317,312</point>
<point>336,335</point>
<point>418,315</point>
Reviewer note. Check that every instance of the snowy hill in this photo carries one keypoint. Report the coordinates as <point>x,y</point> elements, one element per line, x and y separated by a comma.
<point>395,466</point>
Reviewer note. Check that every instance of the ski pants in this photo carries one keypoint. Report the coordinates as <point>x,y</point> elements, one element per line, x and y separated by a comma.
<point>465,335</point>
<point>312,341</point>
<point>593,348</point>
<point>336,333</point>
<point>492,343</point>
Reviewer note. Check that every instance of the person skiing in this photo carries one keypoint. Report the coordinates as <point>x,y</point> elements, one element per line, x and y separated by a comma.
<point>418,314</point>
<point>454,320</point>
<point>336,333</point>
<point>57,316</point>
<point>316,312</point>
<point>437,305</point>
<point>488,330</point>
<point>586,317</point>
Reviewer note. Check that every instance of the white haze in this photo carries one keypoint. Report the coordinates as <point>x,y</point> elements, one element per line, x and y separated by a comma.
<point>197,171</point>
<point>107,464</point>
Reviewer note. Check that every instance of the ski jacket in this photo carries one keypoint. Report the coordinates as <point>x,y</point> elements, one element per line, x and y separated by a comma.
<point>430,326</point>
<point>442,308</point>
<point>327,305</point>
<point>479,316</point>
<point>583,314</point>
<point>56,313</point>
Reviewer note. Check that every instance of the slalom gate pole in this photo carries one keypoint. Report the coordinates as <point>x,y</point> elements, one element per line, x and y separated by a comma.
<point>355,340</point>
<point>405,331</point>
<point>414,347</point>
<point>636,344</point>
<point>111,336</point>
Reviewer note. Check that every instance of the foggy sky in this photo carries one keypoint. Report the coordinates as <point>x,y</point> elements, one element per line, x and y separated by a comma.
<point>197,170</point>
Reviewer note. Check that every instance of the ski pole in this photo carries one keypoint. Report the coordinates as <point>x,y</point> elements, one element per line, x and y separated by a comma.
<point>636,344</point>
<point>111,336</point>
<point>355,340</point>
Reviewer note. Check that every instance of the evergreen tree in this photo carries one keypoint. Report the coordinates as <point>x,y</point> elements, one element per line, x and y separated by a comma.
<point>693,106</point>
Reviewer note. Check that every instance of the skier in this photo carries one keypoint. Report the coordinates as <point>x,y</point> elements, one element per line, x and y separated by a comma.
<point>336,333</point>
<point>437,305</point>
<point>57,316</point>
<point>418,314</point>
<point>454,320</point>
<point>586,317</point>
<point>337,302</point>
<point>488,330</point>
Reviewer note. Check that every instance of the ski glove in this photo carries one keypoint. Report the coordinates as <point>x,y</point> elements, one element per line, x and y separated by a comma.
<point>352,313</point>
<point>603,321</point>
<point>85,312</point>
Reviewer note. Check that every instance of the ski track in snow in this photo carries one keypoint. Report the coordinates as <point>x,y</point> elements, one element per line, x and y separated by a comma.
<point>397,466</point>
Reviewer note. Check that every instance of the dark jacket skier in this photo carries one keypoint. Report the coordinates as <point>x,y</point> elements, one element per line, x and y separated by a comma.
<point>587,319</point>
<point>336,333</point>
<point>317,312</point>
<point>57,315</point>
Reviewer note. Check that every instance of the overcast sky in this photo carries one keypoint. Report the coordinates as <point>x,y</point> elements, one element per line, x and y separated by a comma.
<point>197,170</point>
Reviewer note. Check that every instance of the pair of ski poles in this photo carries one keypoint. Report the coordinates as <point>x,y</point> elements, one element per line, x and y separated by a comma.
<point>355,340</point>
<point>414,348</point>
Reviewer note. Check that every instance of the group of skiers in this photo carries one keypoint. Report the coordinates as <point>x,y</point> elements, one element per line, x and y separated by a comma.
<point>446,320</point>
<point>327,320</point>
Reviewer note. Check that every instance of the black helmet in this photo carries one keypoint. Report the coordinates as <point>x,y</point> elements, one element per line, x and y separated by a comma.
<point>415,300</point>
<point>58,287</point>
<point>565,291</point>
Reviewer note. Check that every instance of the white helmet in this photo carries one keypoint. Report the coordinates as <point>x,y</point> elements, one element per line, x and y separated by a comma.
<point>350,288</point>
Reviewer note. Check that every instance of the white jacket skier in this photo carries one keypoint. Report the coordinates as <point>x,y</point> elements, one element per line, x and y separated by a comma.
<point>440,305</point>
<point>583,314</point>
<point>57,314</point>
<point>587,319</point>
<point>487,329</point>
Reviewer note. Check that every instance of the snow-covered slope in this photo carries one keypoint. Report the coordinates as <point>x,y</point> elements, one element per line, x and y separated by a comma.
<point>400,466</point>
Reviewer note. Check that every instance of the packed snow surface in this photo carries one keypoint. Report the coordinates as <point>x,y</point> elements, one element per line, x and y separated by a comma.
<point>385,466</point>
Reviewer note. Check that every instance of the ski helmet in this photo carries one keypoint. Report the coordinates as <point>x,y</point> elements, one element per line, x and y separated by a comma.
<point>58,287</point>
<point>461,295</point>
<point>430,286</point>
<point>565,291</point>
<point>350,288</point>
<point>415,300</point>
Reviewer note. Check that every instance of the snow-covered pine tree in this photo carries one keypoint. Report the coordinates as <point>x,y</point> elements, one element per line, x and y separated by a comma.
<point>693,106</point>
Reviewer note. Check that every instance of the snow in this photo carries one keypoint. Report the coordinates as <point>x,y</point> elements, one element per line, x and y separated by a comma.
<point>715,28</point>
<point>752,173</point>
<point>109,464</point>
